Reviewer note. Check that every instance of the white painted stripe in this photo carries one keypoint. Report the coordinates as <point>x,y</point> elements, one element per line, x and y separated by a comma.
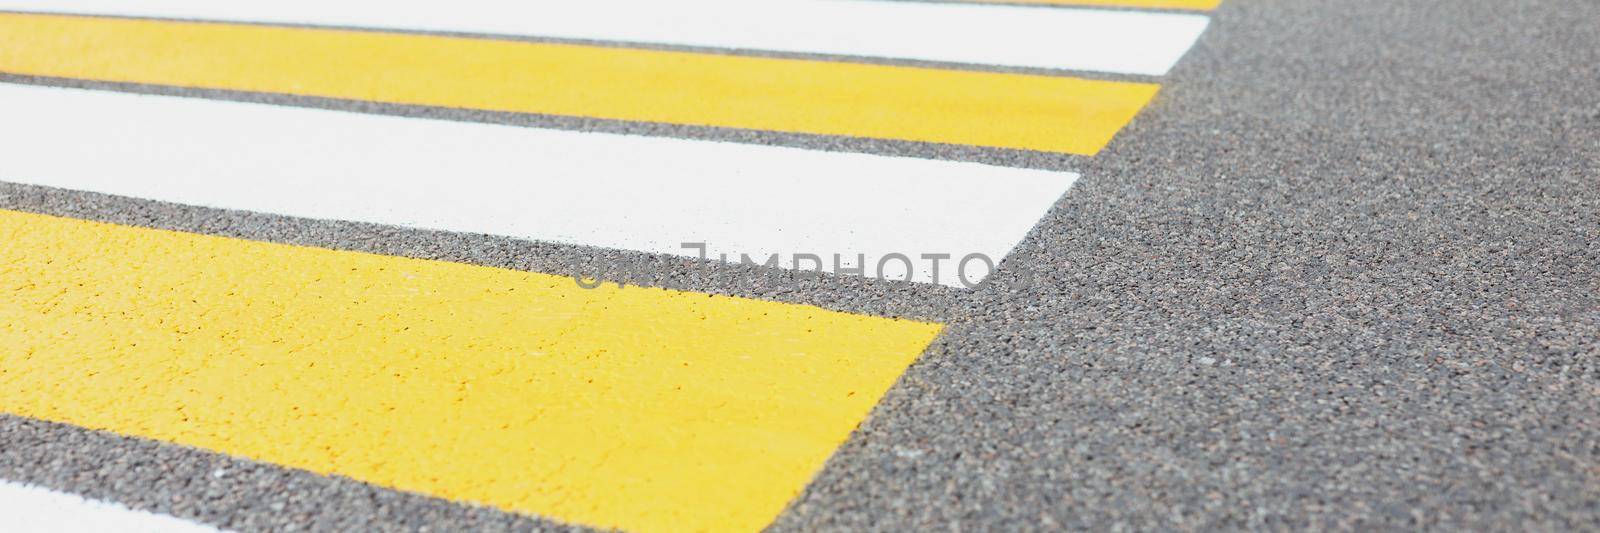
<point>616,191</point>
<point>29,509</point>
<point>1026,36</point>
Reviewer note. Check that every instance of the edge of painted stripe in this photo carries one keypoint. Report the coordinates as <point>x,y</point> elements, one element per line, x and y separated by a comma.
<point>29,508</point>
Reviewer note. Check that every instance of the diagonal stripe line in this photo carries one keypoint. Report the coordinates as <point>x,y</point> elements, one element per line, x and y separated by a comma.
<point>845,293</point>
<point>831,143</point>
<point>260,495</point>
<point>1067,39</point>
<point>1031,112</point>
<point>639,408</point>
<point>615,191</point>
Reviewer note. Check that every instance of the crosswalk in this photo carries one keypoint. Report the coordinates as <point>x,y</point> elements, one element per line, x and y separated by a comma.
<point>621,407</point>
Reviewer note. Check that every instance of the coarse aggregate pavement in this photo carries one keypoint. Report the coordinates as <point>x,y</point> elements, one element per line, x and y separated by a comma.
<point>1341,274</point>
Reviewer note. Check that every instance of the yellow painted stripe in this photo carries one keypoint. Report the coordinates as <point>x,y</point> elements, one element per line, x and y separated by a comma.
<point>638,408</point>
<point>1048,113</point>
<point>1199,5</point>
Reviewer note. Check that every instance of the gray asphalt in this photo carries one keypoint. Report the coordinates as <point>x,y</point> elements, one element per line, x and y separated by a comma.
<point>1343,274</point>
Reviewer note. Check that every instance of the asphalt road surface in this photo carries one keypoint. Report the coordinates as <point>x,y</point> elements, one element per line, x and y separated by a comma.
<point>1343,273</point>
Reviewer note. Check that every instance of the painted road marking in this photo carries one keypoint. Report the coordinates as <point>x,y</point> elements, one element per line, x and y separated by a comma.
<point>1199,5</point>
<point>1074,39</point>
<point>646,409</point>
<point>638,408</point>
<point>648,194</point>
<point>1048,113</point>
<point>26,508</point>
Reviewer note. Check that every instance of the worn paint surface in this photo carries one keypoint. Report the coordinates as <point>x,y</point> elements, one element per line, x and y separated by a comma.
<point>639,408</point>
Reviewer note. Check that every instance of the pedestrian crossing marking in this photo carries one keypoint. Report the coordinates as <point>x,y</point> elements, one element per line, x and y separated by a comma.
<point>1021,111</point>
<point>636,408</point>
<point>640,408</point>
